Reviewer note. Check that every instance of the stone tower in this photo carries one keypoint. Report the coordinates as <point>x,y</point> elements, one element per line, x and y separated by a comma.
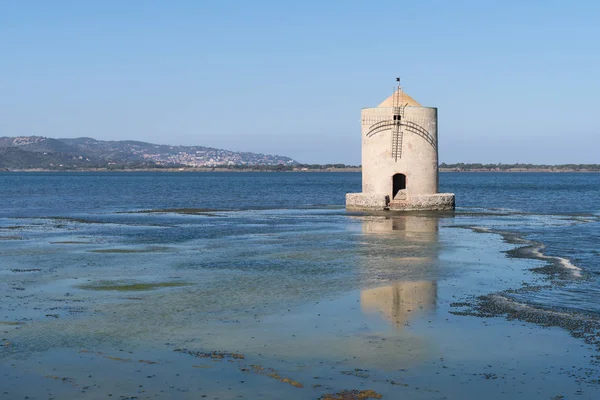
<point>399,158</point>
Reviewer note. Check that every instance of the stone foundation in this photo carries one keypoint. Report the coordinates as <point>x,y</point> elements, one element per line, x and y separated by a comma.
<point>430,202</point>
<point>366,201</point>
<point>379,202</point>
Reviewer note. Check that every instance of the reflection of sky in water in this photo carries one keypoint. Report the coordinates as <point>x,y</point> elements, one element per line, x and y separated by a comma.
<point>241,278</point>
<point>309,289</point>
<point>236,271</point>
<point>299,286</point>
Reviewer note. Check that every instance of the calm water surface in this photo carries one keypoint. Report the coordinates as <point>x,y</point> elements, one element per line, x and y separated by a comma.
<point>103,276</point>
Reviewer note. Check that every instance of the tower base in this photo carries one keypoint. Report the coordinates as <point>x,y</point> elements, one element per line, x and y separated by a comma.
<point>380,202</point>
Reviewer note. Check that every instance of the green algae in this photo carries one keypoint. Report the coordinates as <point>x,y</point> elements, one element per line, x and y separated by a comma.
<point>71,242</point>
<point>74,220</point>
<point>173,210</point>
<point>25,269</point>
<point>128,251</point>
<point>352,395</point>
<point>131,286</point>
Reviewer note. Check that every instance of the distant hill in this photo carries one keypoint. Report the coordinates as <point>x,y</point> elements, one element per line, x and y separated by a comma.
<point>17,158</point>
<point>37,152</point>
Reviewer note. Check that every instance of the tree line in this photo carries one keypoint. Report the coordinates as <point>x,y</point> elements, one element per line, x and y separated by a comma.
<point>519,166</point>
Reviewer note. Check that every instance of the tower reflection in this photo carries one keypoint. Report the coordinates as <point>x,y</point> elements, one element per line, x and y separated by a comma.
<point>411,246</point>
<point>401,301</point>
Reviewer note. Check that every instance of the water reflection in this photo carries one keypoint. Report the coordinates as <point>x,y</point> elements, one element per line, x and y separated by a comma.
<point>400,302</point>
<point>414,256</point>
<point>412,227</point>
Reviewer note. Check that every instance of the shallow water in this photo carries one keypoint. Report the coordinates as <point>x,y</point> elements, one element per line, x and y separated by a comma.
<point>104,270</point>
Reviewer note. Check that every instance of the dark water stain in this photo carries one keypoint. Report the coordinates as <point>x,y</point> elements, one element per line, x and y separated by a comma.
<point>215,355</point>
<point>126,251</point>
<point>352,395</point>
<point>131,286</point>
<point>16,270</point>
<point>71,242</point>
<point>11,238</point>
<point>191,211</point>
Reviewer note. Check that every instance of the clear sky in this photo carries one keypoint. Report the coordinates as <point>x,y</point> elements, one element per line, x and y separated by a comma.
<point>514,81</point>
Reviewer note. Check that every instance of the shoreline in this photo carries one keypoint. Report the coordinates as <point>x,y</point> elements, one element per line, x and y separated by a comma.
<point>536,170</point>
<point>338,170</point>
<point>182,170</point>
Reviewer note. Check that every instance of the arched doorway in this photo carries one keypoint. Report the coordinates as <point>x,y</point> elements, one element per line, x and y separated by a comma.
<point>398,184</point>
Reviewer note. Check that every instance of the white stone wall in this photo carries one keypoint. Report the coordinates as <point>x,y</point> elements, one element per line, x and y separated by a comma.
<point>419,160</point>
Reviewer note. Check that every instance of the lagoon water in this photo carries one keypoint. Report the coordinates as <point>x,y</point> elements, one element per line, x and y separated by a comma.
<point>261,285</point>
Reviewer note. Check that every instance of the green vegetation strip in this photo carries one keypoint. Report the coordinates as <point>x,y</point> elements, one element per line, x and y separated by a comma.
<point>131,286</point>
<point>125,251</point>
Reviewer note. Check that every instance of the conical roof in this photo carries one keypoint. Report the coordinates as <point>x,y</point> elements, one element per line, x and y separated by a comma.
<point>405,100</point>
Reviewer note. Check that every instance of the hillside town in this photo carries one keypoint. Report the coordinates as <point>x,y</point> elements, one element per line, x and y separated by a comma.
<point>214,157</point>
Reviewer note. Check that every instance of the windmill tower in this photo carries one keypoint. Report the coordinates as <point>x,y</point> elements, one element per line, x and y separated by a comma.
<point>399,157</point>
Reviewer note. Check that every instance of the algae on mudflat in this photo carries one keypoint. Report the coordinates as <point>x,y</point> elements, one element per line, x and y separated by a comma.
<point>153,249</point>
<point>130,286</point>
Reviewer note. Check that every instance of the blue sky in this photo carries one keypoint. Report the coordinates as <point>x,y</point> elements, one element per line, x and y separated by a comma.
<point>514,81</point>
